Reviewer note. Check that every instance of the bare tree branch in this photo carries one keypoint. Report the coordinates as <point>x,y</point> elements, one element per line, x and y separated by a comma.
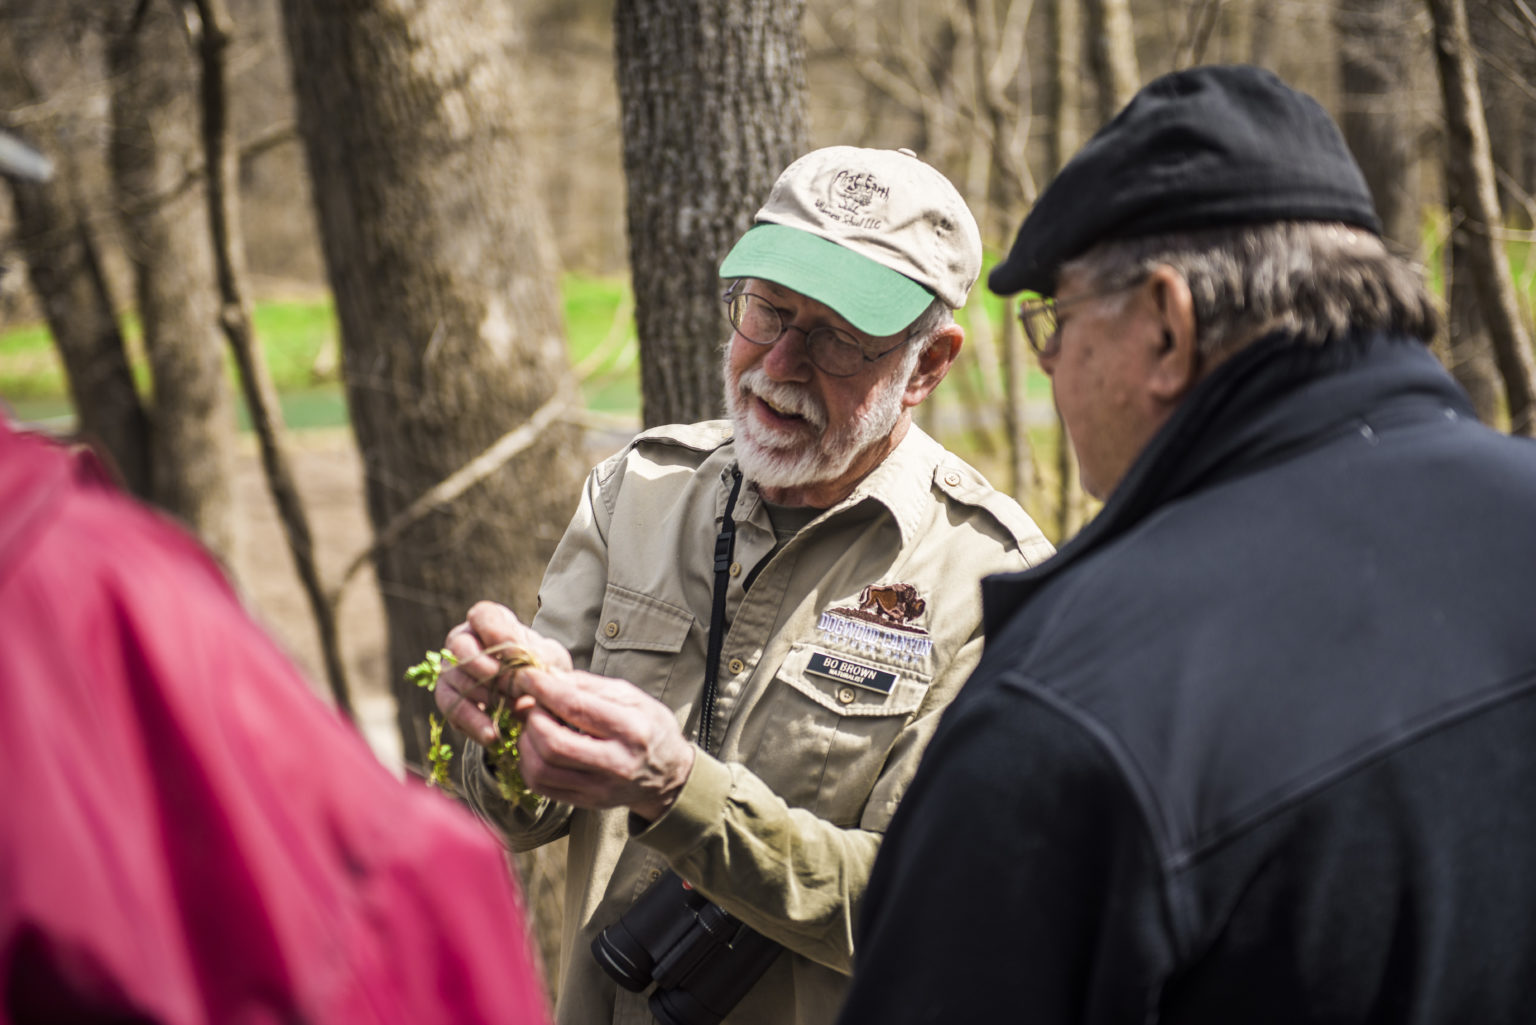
<point>1527,17</point>
<point>235,319</point>
<point>1470,170</point>
<point>1512,74</point>
<point>1199,27</point>
<point>455,484</point>
<point>1524,198</point>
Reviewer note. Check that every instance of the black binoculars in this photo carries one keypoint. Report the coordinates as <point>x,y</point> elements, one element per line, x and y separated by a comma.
<point>702,959</point>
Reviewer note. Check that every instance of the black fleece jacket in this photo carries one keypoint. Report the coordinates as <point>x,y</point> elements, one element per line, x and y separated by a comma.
<point>1258,746</point>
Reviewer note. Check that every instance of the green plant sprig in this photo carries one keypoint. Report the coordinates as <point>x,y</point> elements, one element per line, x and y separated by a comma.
<point>503,753</point>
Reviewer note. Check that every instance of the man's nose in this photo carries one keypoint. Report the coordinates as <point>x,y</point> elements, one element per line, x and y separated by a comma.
<point>788,358</point>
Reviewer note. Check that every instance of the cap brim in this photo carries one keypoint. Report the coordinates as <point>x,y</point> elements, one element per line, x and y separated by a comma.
<point>871,297</point>
<point>1010,277</point>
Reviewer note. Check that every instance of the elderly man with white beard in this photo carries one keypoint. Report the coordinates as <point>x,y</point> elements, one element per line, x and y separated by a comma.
<point>751,626</point>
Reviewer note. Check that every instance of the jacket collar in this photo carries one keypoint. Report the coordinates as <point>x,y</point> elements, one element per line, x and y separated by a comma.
<point>1264,404</point>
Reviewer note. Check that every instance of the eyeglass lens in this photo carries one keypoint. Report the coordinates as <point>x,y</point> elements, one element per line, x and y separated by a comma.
<point>760,322</point>
<point>1039,319</point>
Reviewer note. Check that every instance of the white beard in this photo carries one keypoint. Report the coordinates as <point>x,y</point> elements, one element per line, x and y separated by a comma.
<point>775,460</point>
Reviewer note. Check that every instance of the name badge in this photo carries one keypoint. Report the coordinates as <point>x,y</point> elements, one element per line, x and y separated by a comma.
<point>843,671</point>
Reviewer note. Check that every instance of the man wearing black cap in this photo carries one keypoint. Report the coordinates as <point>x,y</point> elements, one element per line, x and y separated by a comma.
<point>1256,746</point>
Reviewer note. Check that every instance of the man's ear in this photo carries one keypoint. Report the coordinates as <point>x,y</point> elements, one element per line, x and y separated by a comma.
<point>936,359</point>
<point>1177,365</point>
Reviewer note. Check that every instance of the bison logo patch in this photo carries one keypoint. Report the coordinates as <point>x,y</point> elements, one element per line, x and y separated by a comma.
<point>892,603</point>
<point>884,622</point>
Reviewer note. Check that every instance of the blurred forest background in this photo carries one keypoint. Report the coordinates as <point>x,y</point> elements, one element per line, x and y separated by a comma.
<point>359,290</point>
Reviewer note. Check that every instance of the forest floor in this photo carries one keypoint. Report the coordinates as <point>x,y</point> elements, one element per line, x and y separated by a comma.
<point>328,474</point>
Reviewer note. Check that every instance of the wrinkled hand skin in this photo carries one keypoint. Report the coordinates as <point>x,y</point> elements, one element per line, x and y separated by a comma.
<point>590,741</point>
<point>481,678</point>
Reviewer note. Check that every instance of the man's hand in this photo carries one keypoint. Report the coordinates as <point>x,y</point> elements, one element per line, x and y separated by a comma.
<point>490,637</point>
<point>598,742</point>
<point>590,741</point>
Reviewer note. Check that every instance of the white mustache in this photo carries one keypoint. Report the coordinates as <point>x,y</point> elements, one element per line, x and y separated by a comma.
<point>787,397</point>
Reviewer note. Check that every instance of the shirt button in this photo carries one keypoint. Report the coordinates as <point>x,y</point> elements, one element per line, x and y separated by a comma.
<point>846,695</point>
<point>612,629</point>
<point>735,569</point>
<point>655,874</point>
<point>736,665</point>
<point>952,479</point>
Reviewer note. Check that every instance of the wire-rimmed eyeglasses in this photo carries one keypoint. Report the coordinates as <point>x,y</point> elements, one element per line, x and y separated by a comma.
<point>831,350</point>
<point>1038,315</point>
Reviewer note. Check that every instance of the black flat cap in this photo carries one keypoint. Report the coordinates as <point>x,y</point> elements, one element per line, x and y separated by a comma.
<point>1201,148</point>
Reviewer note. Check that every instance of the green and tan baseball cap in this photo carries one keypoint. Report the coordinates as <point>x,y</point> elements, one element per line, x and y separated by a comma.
<point>875,234</point>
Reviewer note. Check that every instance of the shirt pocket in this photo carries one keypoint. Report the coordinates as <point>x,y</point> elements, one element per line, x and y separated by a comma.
<point>823,742</point>
<point>640,639</point>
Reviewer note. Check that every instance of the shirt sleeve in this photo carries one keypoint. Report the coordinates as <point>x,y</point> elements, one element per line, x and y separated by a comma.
<point>793,877</point>
<point>1017,882</point>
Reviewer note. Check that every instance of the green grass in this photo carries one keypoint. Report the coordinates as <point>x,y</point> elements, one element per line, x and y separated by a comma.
<point>600,331</point>
<point>301,343</point>
<point>29,365</point>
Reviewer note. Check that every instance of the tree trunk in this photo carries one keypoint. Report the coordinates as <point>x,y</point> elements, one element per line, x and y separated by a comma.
<point>712,99</point>
<point>67,278</point>
<point>1066,101</point>
<point>1264,33</point>
<point>1113,50</point>
<point>165,236</point>
<point>1374,38</point>
<point>447,298</point>
<point>1526,172</point>
<point>1468,353</point>
<point>1469,169</point>
<point>1238,44</point>
<point>1504,38</point>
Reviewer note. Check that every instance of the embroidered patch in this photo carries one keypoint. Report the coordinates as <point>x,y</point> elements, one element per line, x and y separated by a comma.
<point>844,671</point>
<point>896,604</point>
<point>882,622</point>
<point>855,198</point>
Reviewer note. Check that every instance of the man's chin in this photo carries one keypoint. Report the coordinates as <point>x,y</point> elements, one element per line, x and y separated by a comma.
<point>778,467</point>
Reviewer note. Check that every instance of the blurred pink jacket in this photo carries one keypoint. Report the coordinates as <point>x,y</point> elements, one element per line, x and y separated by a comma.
<point>187,834</point>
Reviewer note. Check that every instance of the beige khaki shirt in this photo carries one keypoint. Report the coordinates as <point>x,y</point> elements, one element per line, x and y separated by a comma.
<point>835,668</point>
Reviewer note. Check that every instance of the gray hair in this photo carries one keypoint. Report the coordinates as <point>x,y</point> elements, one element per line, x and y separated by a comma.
<point>1317,281</point>
<point>930,322</point>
